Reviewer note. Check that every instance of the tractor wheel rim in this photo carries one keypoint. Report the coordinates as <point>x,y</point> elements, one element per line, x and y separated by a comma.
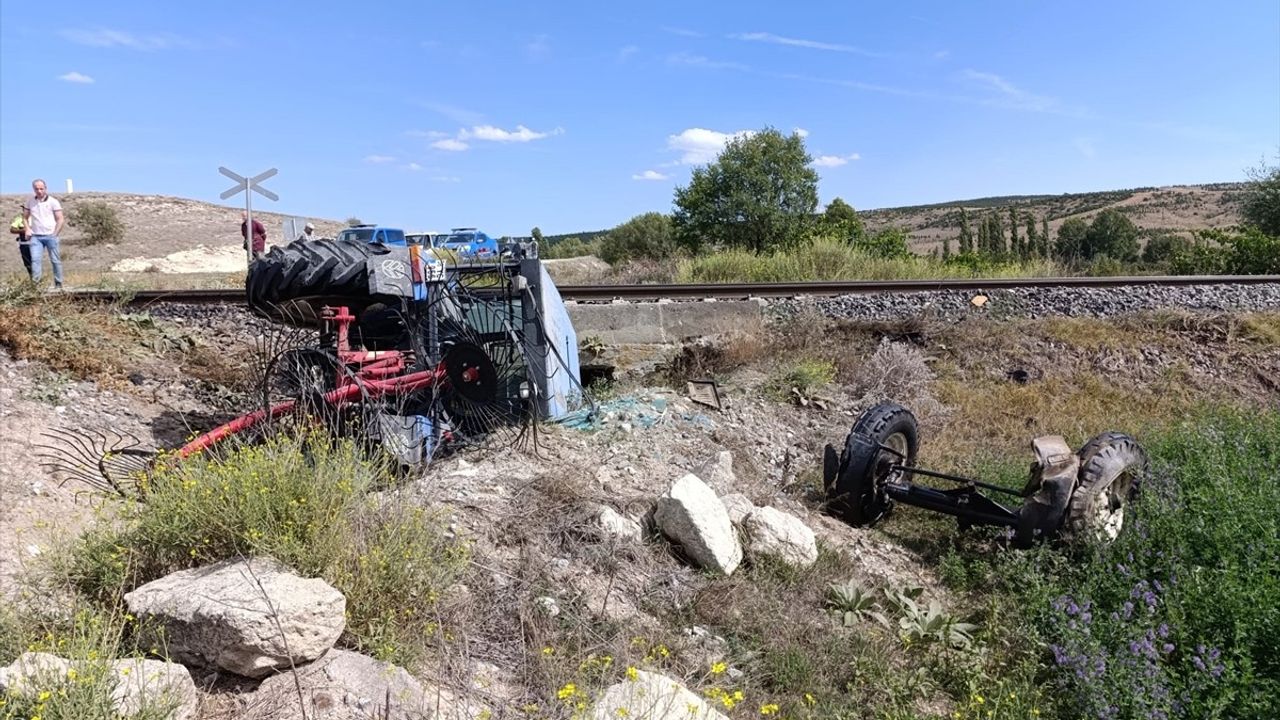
<point>1109,508</point>
<point>898,442</point>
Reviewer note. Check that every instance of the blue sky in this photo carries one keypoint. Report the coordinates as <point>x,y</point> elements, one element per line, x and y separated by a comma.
<point>575,116</point>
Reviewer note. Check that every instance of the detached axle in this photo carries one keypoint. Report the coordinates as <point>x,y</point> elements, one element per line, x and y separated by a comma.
<point>1078,494</point>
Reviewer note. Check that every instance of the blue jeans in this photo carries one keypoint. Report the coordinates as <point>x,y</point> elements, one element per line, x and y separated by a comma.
<point>39,244</point>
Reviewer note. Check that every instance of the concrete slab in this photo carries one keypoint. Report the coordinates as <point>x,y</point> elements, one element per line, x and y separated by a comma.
<point>665,323</point>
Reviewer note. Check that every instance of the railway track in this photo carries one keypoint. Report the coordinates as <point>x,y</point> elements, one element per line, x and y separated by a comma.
<point>739,291</point>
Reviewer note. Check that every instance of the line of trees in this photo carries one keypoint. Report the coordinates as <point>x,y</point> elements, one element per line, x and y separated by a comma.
<point>760,195</point>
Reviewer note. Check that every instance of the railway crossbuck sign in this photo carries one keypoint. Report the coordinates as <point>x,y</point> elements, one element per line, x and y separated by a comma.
<point>248,186</point>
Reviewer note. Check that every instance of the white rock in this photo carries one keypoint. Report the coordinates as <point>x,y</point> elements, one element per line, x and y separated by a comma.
<point>548,605</point>
<point>612,526</point>
<point>218,615</point>
<point>691,515</point>
<point>150,686</point>
<point>739,507</point>
<point>773,533</point>
<point>344,685</point>
<point>718,472</point>
<point>652,697</point>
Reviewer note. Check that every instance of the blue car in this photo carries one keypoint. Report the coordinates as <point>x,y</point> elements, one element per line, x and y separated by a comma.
<point>373,234</point>
<point>470,243</point>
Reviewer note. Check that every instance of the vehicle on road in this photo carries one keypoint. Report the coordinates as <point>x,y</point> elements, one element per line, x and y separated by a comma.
<point>470,243</point>
<point>373,234</point>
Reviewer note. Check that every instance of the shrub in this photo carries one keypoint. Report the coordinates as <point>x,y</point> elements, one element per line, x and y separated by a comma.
<point>99,222</point>
<point>568,248</point>
<point>353,221</point>
<point>303,501</point>
<point>650,236</point>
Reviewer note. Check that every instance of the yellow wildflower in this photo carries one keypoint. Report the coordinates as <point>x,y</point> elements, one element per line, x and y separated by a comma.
<point>769,708</point>
<point>717,668</point>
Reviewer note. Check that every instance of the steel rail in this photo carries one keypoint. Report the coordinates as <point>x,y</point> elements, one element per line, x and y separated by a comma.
<point>741,291</point>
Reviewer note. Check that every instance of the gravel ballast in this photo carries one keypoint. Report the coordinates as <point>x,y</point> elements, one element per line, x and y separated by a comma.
<point>1035,302</point>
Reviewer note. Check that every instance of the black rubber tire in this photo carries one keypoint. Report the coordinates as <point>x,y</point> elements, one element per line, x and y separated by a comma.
<point>312,273</point>
<point>1106,459</point>
<point>857,494</point>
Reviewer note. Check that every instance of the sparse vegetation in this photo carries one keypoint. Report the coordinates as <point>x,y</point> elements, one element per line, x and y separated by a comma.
<point>303,500</point>
<point>98,222</point>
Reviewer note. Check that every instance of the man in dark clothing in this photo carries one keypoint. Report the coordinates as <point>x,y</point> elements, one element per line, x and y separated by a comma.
<point>259,235</point>
<point>19,227</point>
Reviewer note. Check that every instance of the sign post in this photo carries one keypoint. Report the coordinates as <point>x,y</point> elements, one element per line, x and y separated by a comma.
<point>248,186</point>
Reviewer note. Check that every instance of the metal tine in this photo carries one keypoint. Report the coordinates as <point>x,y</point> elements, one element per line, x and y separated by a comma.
<point>91,457</point>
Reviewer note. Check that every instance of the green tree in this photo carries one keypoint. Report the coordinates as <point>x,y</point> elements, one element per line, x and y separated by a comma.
<point>1163,247</point>
<point>1113,234</point>
<point>1031,248</point>
<point>841,221</point>
<point>946,247</point>
<point>1015,242</point>
<point>1261,206</point>
<point>1046,243</point>
<point>889,243</point>
<point>1071,240</point>
<point>537,235</point>
<point>759,194</point>
<point>650,235</point>
<point>354,221</point>
<point>966,235</point>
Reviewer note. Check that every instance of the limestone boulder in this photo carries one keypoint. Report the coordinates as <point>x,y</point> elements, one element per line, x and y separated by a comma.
<point>773,533</point>
<point>691,515</point>
<point>138,685</point>
<point>248,617</point>
<point>651,696</point>
<point>345,685</point>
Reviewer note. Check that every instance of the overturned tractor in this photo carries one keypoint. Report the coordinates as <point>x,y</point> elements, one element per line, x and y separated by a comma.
<point>1079,495</point>
<point>407,350</point>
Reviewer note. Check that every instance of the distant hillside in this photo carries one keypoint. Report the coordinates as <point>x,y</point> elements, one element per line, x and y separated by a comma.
<point>155,226</point>
<point>1178,208</point>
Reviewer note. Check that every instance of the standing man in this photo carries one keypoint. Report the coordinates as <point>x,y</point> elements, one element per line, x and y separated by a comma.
<point>308,232</point>
<point>259,234</point>
<point>19,228</point>
<point>44,219</point>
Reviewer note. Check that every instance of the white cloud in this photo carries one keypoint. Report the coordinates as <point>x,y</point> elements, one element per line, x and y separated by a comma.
<point>379,159</point>
<point>699,145</point>
<point>800,42</point>
<point>497,134</point>
<point>625,53</point>
<point>413,166</point>
<point>445,178</point>
<point>801,132</point>
<point>106,38</point>
<point>75,77</point>
<point>650,175</point>
<point>682,32</point>
<point>1086,148</point>
<point>450,144</point>
<point>429,134</point>
<point>834,160</point>
<point>691,60</point>
<point>1008,94</point>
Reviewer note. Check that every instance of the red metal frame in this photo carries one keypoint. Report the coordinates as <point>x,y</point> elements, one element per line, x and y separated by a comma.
<point>361,374</point>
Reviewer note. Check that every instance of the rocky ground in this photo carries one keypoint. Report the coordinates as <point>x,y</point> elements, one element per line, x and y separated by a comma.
<point>631,519</point>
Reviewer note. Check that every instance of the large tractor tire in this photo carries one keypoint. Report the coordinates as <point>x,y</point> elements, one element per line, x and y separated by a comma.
<point>1112,466</point>
<point>290,283</point>
<point>855,481</point>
